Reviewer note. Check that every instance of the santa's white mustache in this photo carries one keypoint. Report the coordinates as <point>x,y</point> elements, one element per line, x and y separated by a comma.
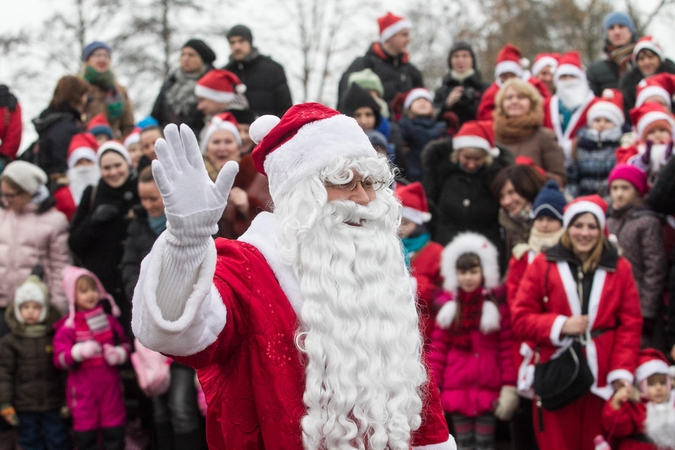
<point>355,214</point>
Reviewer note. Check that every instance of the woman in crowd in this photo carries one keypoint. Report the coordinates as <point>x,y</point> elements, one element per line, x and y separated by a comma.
<point>106,96</point>
<point>177,102</point>
<point>518,125</point>
<point>578,299</point>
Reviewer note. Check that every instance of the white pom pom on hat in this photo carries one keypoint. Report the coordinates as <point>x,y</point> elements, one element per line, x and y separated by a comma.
<point>262,126</point>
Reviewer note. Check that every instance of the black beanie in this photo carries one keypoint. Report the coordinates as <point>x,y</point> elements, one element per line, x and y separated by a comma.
<point>357,97</point>
<point>204,51</point>
<point>241,31</point>
<point>243,116</point>
<point>461,45</point>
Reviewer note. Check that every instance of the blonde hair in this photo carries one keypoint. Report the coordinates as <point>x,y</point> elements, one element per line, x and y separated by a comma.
<point>593,259</point>
<point>521,87</point>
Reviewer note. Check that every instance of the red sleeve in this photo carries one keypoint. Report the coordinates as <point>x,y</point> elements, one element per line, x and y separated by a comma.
<point>12,138</point>
<point>623,154</point>
<point>508,370</point>
<point>621,422</point>
<point>434,428</point>
<point>629,324</point>
<point>541,87</point>
<point>487,103</point>
<point>514,276</point>
<point>548,123</point>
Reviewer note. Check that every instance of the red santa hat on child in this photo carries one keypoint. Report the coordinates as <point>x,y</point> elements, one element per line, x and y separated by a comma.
<point>415,94</point>
<point>543,60</point>
<point>570,64</point>
<point>609,107</point>
<point>219,85</point>
<point>133,138</point>
<point>70,276</point>
<point>510,60</point>
<point>593,204</point>
<point>661,85</point>
<point>222,121</point>
<point>414,202</point>
<point>302,142</point>
<point>649,116</point>
<point>390,24</point>
<point>647,43</point>
<point>82,146</point>
<point>99,125</point>
<point>114,146</point>
<point>476,134</point>
<point>651,362</point>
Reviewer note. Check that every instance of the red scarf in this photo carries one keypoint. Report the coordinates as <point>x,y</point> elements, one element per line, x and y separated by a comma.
<point>470,307</point>
<point>93,325</point>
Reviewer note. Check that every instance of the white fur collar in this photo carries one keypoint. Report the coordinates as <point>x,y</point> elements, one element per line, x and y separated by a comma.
<point>261,234</point>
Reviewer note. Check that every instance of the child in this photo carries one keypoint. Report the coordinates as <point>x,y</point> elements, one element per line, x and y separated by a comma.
<point>418,128</point>
<point>639,233</point>
<point>471,344</point>
<point>100,128</point>
<point>31,388</point>
<point>90,344</point>
<point>423,255</point>
<point>644,423</point>
<point>133,145</point>
<point>593,151</point>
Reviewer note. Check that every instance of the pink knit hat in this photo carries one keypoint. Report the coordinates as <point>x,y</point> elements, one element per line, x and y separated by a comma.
<point>632,174</point>
<point>70,276</point>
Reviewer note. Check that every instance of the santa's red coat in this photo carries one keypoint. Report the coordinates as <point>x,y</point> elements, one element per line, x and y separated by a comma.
<point>65,201</point>
<point>487,101</point>
<point>625,422</point>
<point>425,266</point>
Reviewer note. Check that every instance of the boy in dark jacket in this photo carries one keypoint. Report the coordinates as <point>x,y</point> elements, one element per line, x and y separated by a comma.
<point>31,388</point>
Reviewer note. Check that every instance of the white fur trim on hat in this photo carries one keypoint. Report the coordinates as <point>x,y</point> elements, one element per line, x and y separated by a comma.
<point>81,153</point>
<point>469,242</point>
<point>647,44</point>
<point>652,117</point>
<point>212,94</point>
<point>133,138</point>
<point>508,67</point>
<point>215,126</point>
<point>650,368</point>
<point>607,110</point>
<point>569,69</point>
<point>394,28</point>
<point>652,91</point>
<point>114,146</point>
<point>415,215</point>
<point>312,149</point>
<point>583,207</point>
<point>459,142</point>
<point>415,94</point>
<point>539,65</point>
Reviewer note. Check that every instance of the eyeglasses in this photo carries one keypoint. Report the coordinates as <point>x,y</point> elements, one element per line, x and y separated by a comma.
<point>369,184</point>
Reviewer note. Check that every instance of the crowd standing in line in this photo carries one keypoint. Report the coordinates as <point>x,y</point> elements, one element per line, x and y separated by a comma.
<point>537,225</point>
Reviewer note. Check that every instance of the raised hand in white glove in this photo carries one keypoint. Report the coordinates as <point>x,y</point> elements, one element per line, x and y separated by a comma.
<point>114,355</point>
<point>507,403</point>
<point>85,350</point>
<point>193,202</point>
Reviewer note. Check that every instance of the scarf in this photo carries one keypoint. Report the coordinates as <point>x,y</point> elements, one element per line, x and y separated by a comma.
<point>462,76</point>
<point>379,51</point>
<point>106,81</point>
<point>412,245</point>
<point>181,96</point>
<point>157,224</point>
<point>93,325</point>
<point>37,330</point>
<point>513,130</point>
<point>467,319</point>
<point>622,56</point>
<point>565,116</point>
<point>538,242</point>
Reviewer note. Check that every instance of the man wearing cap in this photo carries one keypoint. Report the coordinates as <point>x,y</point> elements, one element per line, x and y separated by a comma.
<point>304,331</point>
<point>266,86</point>
<point>388,58</point>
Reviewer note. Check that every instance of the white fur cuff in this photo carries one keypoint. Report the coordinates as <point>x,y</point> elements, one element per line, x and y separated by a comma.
<point>556,330</point>
<point>489,318</point>
<point>447,445</point>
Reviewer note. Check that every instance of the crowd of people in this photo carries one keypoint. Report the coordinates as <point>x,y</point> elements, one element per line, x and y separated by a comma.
<point>537,225</point>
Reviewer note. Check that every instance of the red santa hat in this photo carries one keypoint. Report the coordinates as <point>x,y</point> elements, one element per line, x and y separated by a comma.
<point>510,60</point>
<point>222,121</point>
<point>415,94</point>
<point>543,60</point>
<point>391,24</point>
<point>133,138</point>
<point>593,204</point>
<point>570,64</point>
<point>114,146</point>
<point>476,134</point>
<point>650,115</point>
<point>70,276</point>
<point>82,146</point>
<point>609,107</point>
<point>99,125</point>
<point>651,362</point>
<point>219,85</point>
<point>647,43</point>
<point>302,142</point>
<point>414,201</point>
<point>661,85</point>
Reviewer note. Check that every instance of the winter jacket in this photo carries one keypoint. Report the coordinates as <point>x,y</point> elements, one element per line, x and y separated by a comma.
<point>416,134</point>
<point>28,379</point>
<point>10,124</point>
<point>627,424</point>
<point>467,106</point>
<point>470,380</point>
<point>122,125</point>
<point>56,127</point>
<point>397,74</point>
<point>549,295</point>
<point>595,158</point>
<point>640,236</point>
<point>425,266</point>
<point>542,148</point>
<point>463,201</point>
<point>137,245</point>
<point>514,231</point>
<point>629,81</point>
<point>38,234</point>
<point>267,90</point>
<point>601,75</point>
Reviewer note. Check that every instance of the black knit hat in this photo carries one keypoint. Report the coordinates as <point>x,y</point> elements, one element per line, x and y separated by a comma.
<point>461,45</point>
<point>241,31</point>
<point>357,97</point>
<point>243,116</point>
<point>204,51</point>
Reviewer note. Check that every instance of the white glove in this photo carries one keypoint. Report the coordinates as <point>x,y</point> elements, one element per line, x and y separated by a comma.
<point>193,202</point>
<point>507,403</point>
<point>114,355</point>
<point>85,350</point>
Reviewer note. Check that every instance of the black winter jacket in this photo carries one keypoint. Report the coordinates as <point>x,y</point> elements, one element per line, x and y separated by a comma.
<point>629,81</point>
<point>467,106</point>
<point>140,239</point>
<point>56,127</point>
<point>267,90</point>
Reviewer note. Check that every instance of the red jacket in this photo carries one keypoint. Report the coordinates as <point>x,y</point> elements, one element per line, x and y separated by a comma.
<point>425,266</point>
<point>10,130</point>
<point>548,296</point>
<point>65,202</point>
<point>625,422</point>
<point>487,102</point>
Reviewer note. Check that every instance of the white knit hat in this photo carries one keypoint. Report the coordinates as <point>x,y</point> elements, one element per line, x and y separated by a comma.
<point>31,290</point>
<point>28,176</point>
<point>115,146</point>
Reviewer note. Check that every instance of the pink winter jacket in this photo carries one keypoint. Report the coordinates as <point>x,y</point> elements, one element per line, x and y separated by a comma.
<point>28,238</point>
<point>470,381</point>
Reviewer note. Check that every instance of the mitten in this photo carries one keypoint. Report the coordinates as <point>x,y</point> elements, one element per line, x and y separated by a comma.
<point>507,403</point>
<point>114,355</point>
<point>85,350</point>
<point>104,213</point>
<point>9,414</point>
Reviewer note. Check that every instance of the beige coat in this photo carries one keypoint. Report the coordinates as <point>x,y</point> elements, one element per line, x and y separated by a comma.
<point>542,148</point>
<point>121,126</point>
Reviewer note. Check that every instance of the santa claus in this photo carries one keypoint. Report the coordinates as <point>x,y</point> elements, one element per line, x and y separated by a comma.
<point>304,331</point>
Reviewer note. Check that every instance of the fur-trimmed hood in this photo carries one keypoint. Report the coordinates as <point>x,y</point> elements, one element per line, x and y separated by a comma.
<point>470,242</point>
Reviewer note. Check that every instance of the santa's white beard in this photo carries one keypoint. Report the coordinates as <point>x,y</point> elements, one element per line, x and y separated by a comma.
<point>572,92</point>
<point>358,329</point>
<point>660,424</point>
<point>81,177</point>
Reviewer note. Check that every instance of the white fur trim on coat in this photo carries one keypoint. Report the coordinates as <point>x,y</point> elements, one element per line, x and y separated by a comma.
<point>470,242</point>
<point>489,318</point>
<point>447,445</point>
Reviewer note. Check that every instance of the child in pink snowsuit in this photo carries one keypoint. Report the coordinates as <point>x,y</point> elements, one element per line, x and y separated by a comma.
<point>90,344</point>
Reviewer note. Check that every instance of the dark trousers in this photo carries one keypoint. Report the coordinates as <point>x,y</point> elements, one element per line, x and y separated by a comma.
<point>43,431</point>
